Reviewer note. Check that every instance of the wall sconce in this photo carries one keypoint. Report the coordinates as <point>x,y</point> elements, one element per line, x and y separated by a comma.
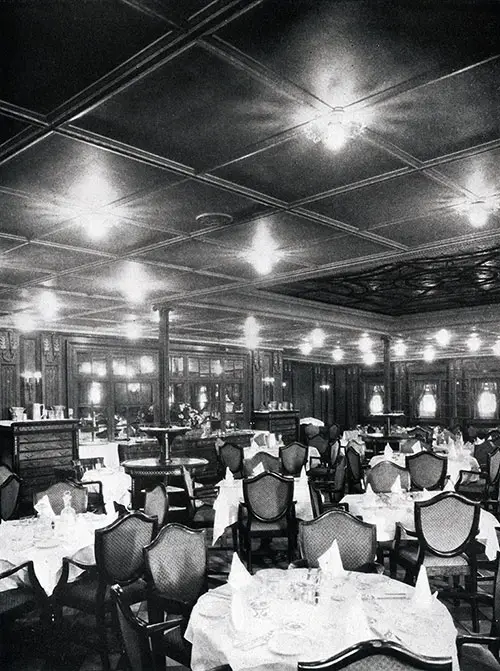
<point>31,379</point>
<point>324,387</point>
<point>268,380</point>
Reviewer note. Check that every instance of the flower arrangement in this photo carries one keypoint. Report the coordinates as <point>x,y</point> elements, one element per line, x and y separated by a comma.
<point>185,415</point>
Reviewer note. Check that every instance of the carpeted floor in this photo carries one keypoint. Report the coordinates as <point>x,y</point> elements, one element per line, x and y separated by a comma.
<point>73,646</point>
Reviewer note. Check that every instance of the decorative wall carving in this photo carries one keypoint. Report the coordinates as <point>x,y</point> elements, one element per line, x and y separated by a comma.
<point>51,347</point>
<point>9,346</point>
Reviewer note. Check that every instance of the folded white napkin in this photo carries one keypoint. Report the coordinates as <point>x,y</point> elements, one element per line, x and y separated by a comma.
<point>258,469</point>
<point>416,447</point>
<point>449,486</point>
<point>425,495</point>
<point>422,597</point>
<point>303,475</point>
<point>229,477</point>
<point>396,485</point>
<point>370,495</point>
<point>239,577</point>
<point>452,451</point>
<point>388,452</point>
<point>330,562</point>
<point>44,509</point>
<point>239,610</point>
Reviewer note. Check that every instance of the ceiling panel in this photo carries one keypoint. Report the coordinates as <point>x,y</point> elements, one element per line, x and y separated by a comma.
<point>21,215</point>
<point>176,207</point>
<point>349,50</point>
<point>200,111</point>
<point>306,168</point>
<point>461,111</point>
<point>398,198</point>
<point>19,276</point>
<point>339,248</point>
<point>10,127</point>
<point>50,259</point>
<point>52,50</point>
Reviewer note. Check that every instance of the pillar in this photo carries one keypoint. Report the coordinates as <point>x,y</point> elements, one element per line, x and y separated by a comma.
<point>387,374</point>
<point>164,364</point>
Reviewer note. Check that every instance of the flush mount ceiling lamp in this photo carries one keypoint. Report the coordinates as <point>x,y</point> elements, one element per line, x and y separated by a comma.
<point>474,342</point>
<point>336,128</point>
<point>306,348</point>
<point>96,225</point>
<point>337,353</point>
<point>264,252</point>
<point>209,219</point>
<point>478,211</point>
<point>443,337</point>
<point>251,333</point>
<point>317,337</point>
<point>48,305</point>
<point>400,347</point>
<point>133,282</point>
<point>429,353</point>
<point>365,343</point>
<point>369,358</point>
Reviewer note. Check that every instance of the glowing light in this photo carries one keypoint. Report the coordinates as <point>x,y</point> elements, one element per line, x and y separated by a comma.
<point>25,322</point>
<point>48,305</point>
<point>96,226</point>
<point>496,348</point>
<point>317,337</point>
<point>133,331</point>
<point>95,393</point>
<point>474,342</point>
<point>400,347</point>
<point>429,353</point>
<point>251,333</point>
<point>324,387</point>
<point>369,358</point>
<point>133,282</point>
<point>337,353</point>
<point>443,337</point>
<point>365,343</point>
<point>264,253</point>
<point>306,348</point>
<point>336,128</point>
<point>477,211</point>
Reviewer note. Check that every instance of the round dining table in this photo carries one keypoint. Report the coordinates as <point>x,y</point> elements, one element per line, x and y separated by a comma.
<point>150,470</point>
<point>298,614</point>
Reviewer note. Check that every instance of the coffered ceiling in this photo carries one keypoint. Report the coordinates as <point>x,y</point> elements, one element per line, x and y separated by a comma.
<point>136,117</point>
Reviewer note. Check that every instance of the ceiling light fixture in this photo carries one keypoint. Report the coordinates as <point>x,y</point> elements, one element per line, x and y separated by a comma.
<point>478,211</point>
<point>25,322</point>
<point>400,347</point>
<point>317,337</point>
<point>496,347</point>
<point>264,253</point>
<point>337,353</point>
<point>133,331</point>
<point>429,353</point>
<point>95,225</point>
<point>369,358</point>
<point>306,348</point>
<point>443,337</point>
<point>474,342</point>
<point>133,282</point>
<point>209,219</point>
<point>335,128</point>
<point>251,333</point>
<point>365,343</point>
<point>48,305</point>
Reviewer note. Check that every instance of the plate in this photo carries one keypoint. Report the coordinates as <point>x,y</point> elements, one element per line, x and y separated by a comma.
<point>288,643</point>
<point>213,608</point>
<point>47,543</point>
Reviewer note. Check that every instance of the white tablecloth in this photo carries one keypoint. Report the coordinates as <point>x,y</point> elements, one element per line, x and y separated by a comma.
<point>22,540</point>
<point>466,462</point>
<point>231,493</point>
<point>109,451</point>
<point>116,485</point>
<point>354,608</point>
<point>390,508</point>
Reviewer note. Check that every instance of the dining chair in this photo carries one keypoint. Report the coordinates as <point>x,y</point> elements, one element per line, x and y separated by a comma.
<point>293,457</point>
<point>269,463</point>
<point>334,432</point>
<point>144,643</point>
<point>56,491</point>
<point>481,451</point>
<point>444,542</point>
<point>118,560</point>
<point>176,572</point>
<point>357,541</point>
<point>354,471</point>
<point>321,443</point>
<point>268,511</point>
<point>231,456</point>
<point>378,655</point>
<point>427,470</point>
<point>20,594</point>
<point>9,493</point>
<point>156,503</point>
<point>384,474</point>
<point>480,651</point>
<point>330,484</point>
<point>482,486</point>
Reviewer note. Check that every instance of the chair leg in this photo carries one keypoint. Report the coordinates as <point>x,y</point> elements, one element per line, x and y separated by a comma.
<point>103,640</point>
<point>234,532</point>
<point>248,539</point>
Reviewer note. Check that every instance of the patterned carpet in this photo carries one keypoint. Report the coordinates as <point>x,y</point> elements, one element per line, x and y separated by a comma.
<point>73,647</point>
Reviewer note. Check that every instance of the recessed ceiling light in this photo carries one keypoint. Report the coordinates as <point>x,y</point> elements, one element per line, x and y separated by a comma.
<point>429,353</point>
<point>400,347</point>
<point>365,343</point>
<point>474,342</point>
<point>337,353</point>
<point>443,337</point>
<point>306,348</point>
<point>369,358</point>
<point>317,337</point>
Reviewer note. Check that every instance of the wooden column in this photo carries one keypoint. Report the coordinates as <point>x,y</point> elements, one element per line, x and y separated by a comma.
<point>387,374</point>
<point>164,363</point>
